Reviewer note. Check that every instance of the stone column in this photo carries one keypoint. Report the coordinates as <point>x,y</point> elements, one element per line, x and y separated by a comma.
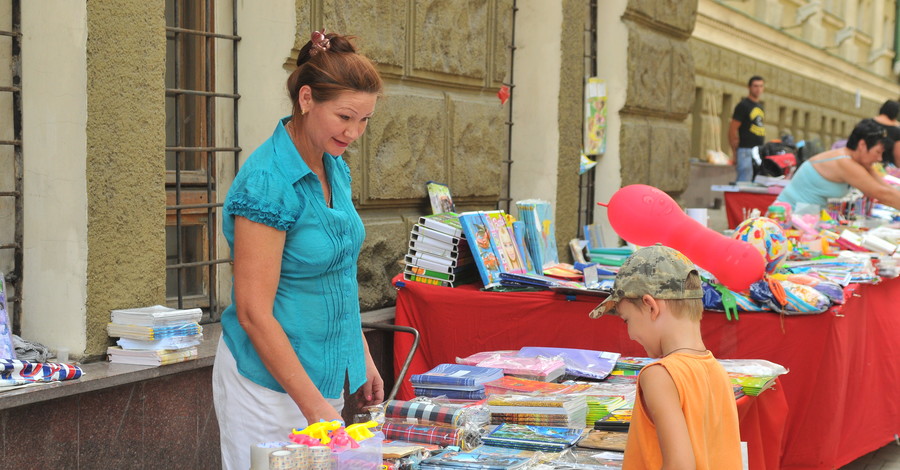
<point>654,136</point>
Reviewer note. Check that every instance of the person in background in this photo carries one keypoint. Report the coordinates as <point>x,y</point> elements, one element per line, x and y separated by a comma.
<point>292,336</point>
<point>684,413</point>
<point>747,128</point>
<point>887,117</point>
<point>830,174</point>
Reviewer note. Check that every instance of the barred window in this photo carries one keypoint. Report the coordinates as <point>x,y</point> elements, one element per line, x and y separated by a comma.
<point>201,148</point>
<point>11,157</point>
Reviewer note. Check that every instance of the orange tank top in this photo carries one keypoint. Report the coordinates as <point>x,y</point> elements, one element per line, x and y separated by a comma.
<point>707,400</point>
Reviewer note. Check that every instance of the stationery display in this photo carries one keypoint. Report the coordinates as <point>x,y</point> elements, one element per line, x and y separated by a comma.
<point>438,253</point>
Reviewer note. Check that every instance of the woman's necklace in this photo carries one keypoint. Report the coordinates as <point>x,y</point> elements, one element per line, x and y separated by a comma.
<point>701,351</point>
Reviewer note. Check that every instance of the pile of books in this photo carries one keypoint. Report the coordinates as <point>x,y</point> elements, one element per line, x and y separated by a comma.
<point>154,336</point>
<point>569,411</point>
<point>454,381</point>
<point>438,253</point>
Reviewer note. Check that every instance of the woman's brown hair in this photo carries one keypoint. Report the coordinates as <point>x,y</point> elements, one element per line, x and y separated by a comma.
<point>332,71</point>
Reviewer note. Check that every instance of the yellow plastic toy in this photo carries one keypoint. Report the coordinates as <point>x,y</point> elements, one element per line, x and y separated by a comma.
<point>319,430</point>
<point>360,431</point>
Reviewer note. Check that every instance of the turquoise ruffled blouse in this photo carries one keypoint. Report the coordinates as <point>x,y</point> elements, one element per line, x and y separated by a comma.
<point>317,301</point>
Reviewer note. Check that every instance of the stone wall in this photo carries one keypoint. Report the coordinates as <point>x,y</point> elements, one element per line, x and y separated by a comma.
<point>655,137</point>
<point>443,62</point>
<point>126,51</point>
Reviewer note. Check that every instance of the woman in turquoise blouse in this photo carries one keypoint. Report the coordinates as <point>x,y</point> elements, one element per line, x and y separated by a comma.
<point>830,174</point>
<point>292,336</point>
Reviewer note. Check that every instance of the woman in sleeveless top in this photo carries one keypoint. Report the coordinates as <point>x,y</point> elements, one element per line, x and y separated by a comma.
<point>830,174</point>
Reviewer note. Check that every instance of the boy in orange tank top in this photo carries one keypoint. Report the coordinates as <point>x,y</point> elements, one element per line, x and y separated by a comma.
<point>684,412</point>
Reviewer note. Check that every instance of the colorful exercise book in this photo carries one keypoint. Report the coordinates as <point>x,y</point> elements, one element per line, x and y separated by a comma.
<point>599,407</point>
<point>440,197</point>
<point>510,384</point>
<point>579,362</point>
<point>634,363</point>
<point>540,234</point>
<point>752,385</point>
<point>540,438</point>
<point>493,245</point>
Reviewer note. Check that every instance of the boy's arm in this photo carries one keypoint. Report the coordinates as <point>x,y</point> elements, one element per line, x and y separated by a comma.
<point>663,404</point>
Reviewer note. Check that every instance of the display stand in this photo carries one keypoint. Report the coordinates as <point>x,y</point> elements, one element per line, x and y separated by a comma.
<point>840,391</point>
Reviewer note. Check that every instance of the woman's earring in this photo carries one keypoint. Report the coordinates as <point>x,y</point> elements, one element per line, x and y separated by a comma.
<point>302,112</point>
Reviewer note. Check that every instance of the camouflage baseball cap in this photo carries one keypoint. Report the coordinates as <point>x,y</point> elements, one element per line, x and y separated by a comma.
<point>656,270</point>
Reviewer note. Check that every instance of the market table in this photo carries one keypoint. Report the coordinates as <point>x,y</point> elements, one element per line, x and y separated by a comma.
<point>737,202</point>
<point>844,366</point>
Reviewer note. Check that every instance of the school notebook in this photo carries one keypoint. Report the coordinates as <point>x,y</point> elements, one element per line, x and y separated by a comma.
<point>457,374</point>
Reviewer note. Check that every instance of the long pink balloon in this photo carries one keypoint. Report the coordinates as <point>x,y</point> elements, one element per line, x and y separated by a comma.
<point>644,215</point>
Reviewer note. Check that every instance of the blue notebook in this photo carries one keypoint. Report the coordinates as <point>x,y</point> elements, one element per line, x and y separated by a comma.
<point>457,374</point>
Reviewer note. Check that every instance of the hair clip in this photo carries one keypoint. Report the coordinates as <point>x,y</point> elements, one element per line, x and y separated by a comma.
<point>319,42</point>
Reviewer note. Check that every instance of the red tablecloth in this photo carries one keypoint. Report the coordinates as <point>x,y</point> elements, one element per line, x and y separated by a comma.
<point>844,364</point>
<point>736,203</point>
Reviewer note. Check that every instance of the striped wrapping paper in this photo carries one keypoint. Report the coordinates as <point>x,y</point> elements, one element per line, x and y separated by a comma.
<point>430,413</point>
<point>442,436</point>
<point>16,372</point>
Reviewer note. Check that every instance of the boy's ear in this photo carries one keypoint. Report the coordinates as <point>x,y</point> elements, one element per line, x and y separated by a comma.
<point>651,305</point>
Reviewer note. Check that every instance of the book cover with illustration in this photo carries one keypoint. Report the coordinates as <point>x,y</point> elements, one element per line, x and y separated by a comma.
<point>439,195</point>
<point>504,242</point>
<point>540,233</point>
<point>482,246</point>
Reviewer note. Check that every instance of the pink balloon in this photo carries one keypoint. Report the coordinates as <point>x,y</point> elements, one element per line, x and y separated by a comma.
<point>644,215</point>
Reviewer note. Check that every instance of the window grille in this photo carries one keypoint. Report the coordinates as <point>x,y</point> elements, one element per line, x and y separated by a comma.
<point>11,157</point>
<point>198,144</point>
<point>586,180</point>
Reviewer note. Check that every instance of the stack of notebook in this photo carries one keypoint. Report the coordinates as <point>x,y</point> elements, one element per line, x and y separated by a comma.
<point>454,381</point>
<point>438,253</point>
<point>568,411</point>
<point>599,407</point>
<point>154,335</point>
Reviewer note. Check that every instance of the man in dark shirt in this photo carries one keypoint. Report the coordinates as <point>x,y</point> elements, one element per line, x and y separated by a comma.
<point>747,128</point>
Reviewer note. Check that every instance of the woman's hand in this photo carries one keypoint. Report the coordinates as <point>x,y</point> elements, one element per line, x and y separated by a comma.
<point>372,392</point>
<point>320,411</point>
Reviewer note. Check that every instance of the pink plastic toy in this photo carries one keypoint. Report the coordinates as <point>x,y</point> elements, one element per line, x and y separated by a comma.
<point>341,441</point>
